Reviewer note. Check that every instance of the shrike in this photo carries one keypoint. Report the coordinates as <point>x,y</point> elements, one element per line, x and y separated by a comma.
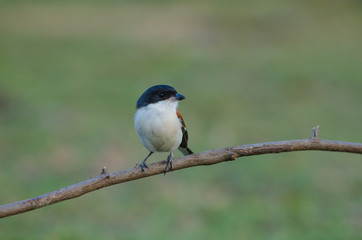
<point>159,123</point>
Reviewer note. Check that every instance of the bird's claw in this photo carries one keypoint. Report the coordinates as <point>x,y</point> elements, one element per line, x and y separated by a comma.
<point>169,163</point>
<point>143,165</point>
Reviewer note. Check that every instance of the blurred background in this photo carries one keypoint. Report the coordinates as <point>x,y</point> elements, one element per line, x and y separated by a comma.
<point>72,71</point>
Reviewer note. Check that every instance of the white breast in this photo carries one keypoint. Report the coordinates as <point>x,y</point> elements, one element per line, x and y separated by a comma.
<point>158,126</point>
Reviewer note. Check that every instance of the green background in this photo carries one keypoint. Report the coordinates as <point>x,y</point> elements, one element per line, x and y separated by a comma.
<point>252,71</point>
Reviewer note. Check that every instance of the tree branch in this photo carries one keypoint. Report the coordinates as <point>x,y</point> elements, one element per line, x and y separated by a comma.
<point>210,157</point>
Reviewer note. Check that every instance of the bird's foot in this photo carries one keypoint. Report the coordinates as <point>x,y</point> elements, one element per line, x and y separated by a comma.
<point>143,165</point>
<point>169,164</point>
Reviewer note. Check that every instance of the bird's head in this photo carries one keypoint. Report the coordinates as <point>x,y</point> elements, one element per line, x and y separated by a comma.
<point>157,94</point>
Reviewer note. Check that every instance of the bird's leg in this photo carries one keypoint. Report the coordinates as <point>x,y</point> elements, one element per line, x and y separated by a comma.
<point>143,164</point>
<point>169,163</point>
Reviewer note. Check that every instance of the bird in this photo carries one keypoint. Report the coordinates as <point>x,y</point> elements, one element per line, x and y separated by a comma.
<point>159,124</point>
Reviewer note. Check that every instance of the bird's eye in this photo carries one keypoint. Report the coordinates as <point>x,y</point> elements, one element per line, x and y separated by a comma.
<point>162,95</point>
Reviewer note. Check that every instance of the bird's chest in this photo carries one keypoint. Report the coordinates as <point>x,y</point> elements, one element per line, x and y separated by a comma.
<point>158,130</point>
<point>160,123</point>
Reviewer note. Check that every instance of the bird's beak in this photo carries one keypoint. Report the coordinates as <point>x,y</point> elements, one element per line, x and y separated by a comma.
<point>179,97</point>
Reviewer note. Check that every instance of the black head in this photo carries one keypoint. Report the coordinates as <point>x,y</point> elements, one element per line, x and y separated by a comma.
<point>158,93</point>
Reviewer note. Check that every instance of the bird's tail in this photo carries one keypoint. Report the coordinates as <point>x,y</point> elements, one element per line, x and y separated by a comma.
<point>185,151</point>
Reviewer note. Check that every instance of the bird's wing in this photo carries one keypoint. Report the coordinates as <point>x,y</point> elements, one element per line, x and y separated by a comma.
<point>185,136</point>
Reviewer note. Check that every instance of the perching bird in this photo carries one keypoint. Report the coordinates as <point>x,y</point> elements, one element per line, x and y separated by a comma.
<point>159,124</point>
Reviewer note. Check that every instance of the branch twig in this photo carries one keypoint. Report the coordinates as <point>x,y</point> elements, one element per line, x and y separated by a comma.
<point>210,157</point>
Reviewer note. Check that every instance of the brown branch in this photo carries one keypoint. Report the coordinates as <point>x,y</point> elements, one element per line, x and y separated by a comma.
<point>210,157</point>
